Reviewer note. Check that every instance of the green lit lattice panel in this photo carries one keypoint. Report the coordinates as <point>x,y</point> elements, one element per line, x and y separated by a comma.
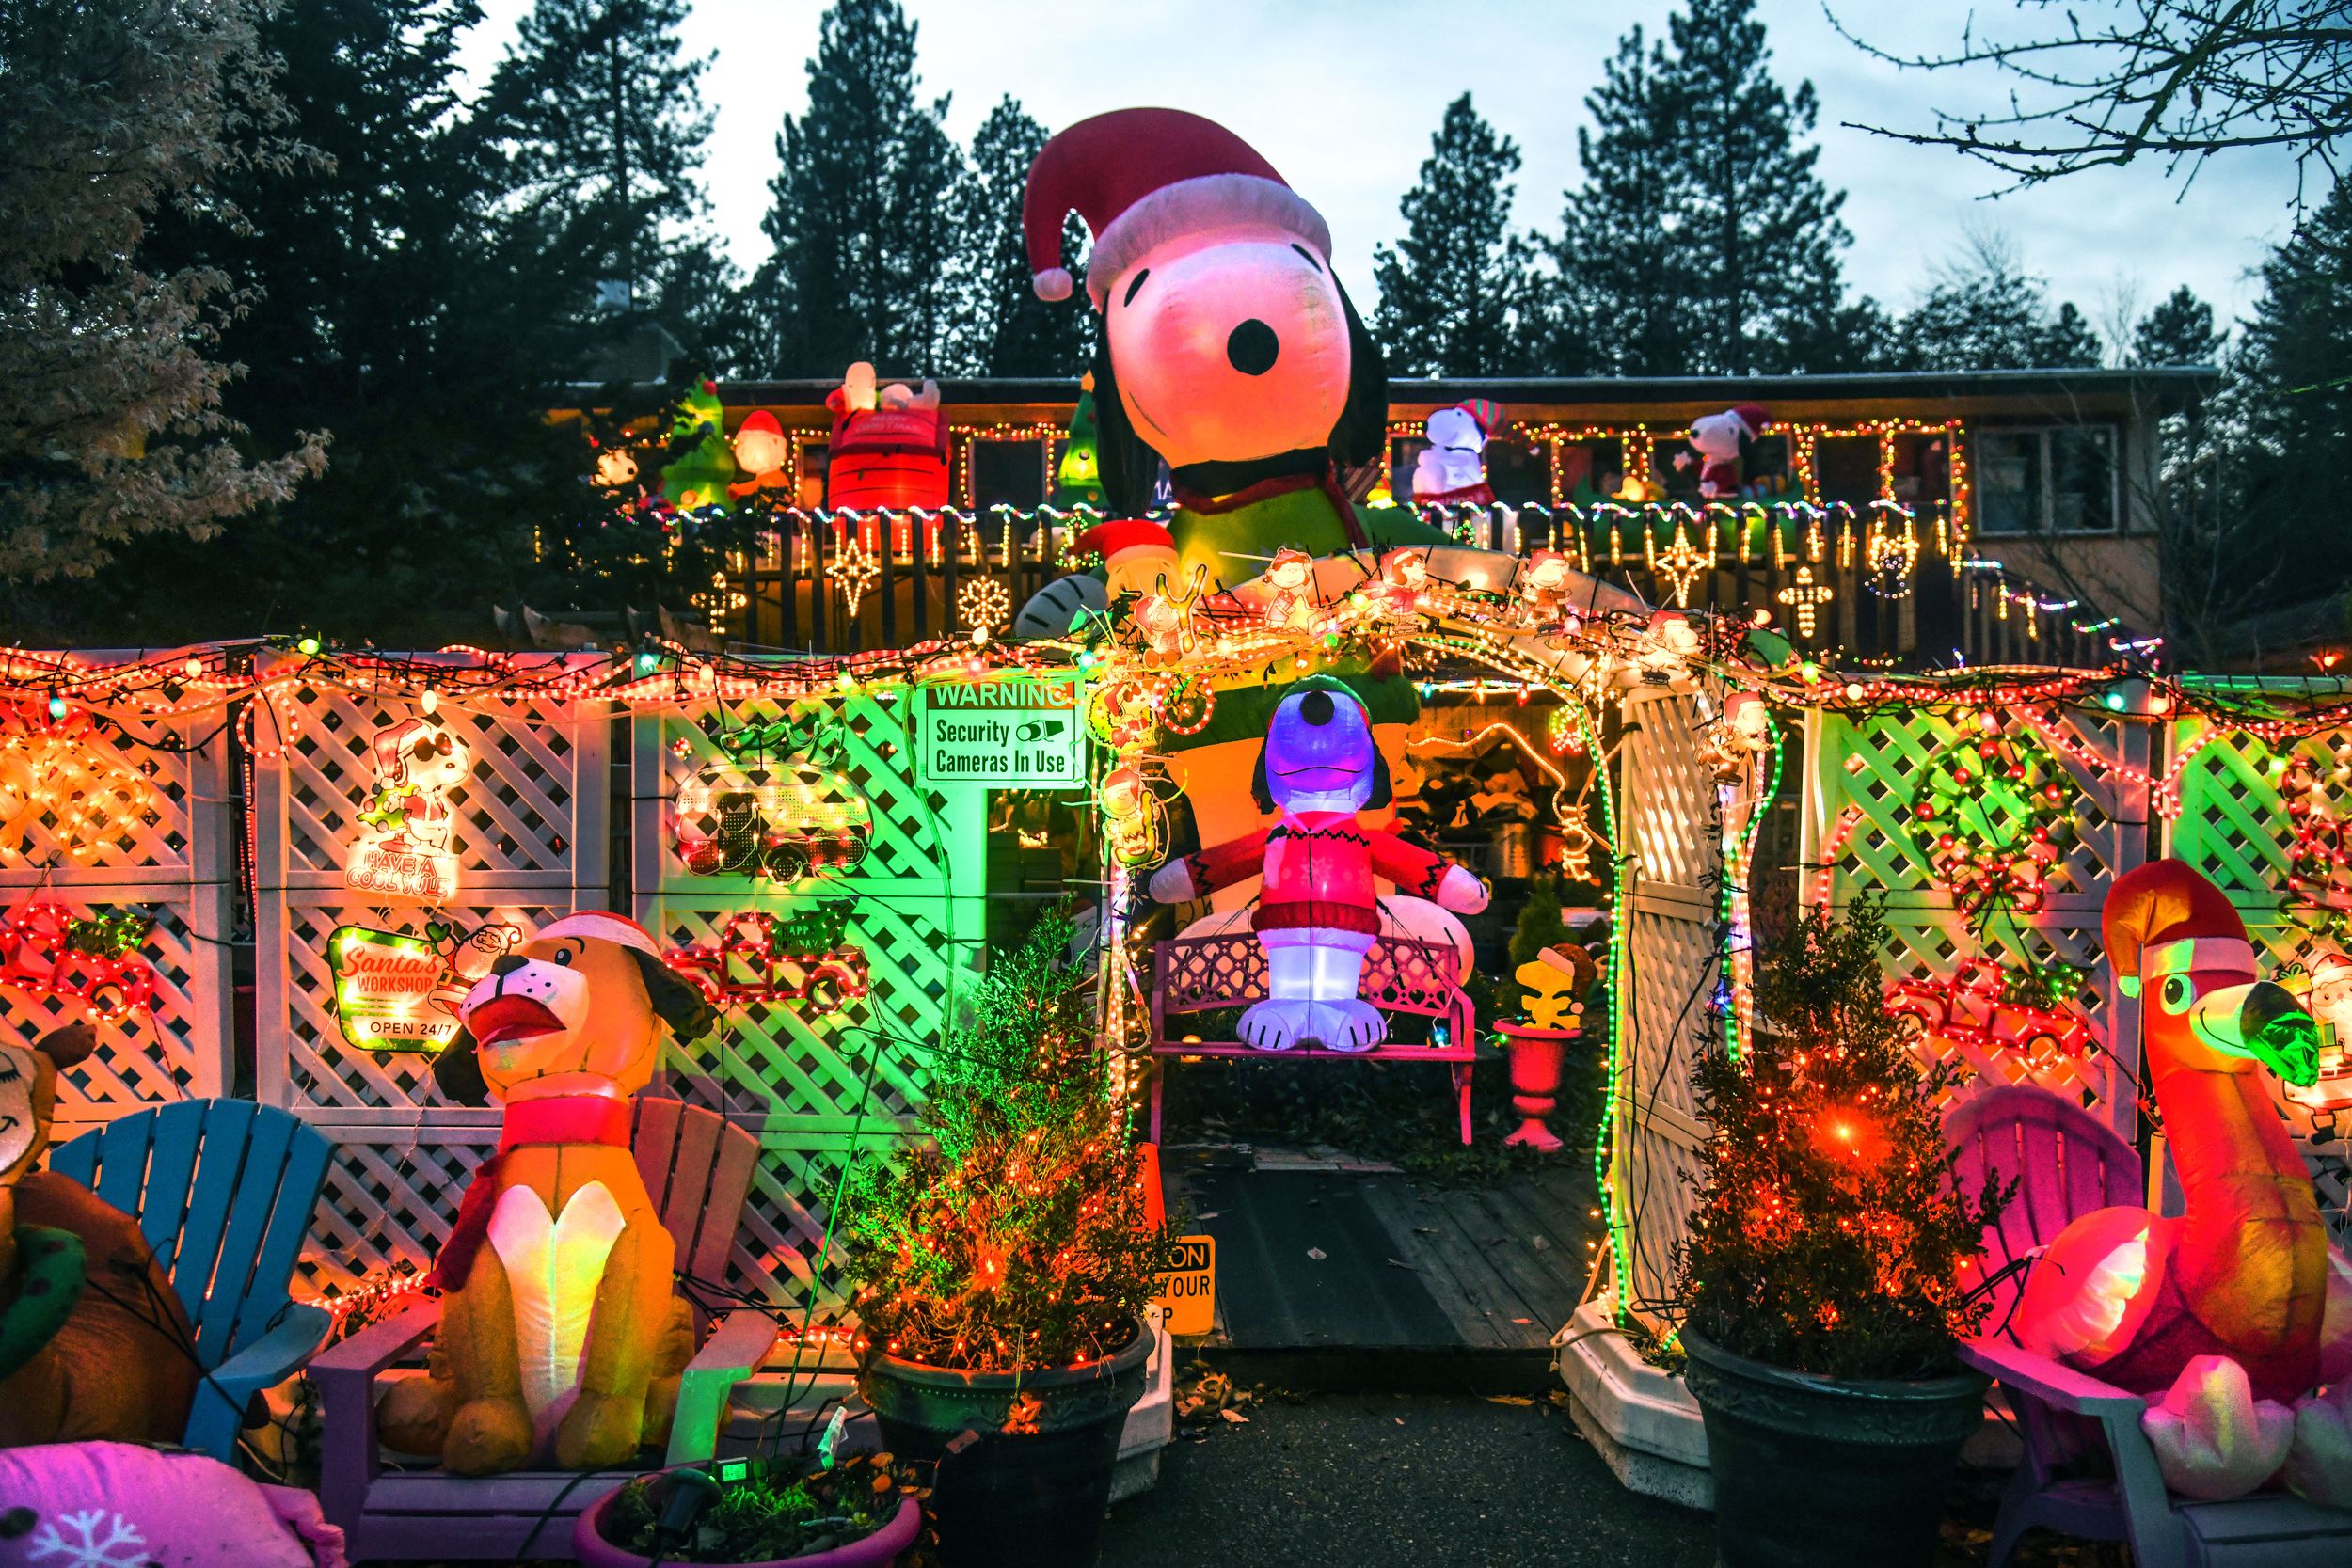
<point>818,1084</point>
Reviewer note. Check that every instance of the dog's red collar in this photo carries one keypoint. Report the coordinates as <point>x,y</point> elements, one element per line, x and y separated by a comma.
<point>568,1118</point>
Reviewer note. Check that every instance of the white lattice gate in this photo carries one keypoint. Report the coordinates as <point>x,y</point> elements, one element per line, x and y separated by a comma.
<point>168,857</point>
<point>529,832</point>
<point>1673,817</point>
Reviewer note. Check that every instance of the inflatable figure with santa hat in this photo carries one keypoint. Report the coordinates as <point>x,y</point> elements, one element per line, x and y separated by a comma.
<point>1451,470</point>
<point>1720,439</point>
<point>2236,1316</point>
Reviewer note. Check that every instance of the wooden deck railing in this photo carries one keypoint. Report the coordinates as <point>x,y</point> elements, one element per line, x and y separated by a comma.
<point>1873,582</point>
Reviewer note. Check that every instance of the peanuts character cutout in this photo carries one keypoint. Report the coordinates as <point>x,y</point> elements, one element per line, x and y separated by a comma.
<point>1317,915</point>
<point>562,1339</point>
<point>406,842</point>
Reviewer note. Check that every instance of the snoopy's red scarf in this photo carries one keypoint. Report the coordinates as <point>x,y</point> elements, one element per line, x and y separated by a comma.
<point>572,1119</point>
<point>1280,485</point>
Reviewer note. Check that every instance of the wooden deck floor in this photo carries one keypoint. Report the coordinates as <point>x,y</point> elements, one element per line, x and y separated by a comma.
<point>1326,1261</point>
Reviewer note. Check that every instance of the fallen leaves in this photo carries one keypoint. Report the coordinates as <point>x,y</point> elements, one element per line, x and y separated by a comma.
<point>1315,1253</point>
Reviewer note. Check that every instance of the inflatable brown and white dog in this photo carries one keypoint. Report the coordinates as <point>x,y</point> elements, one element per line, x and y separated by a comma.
<point>562,1338</point>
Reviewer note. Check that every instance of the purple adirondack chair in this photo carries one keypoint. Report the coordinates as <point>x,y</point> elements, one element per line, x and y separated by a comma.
<point>2088,1471</point>
<point>698,1168</point>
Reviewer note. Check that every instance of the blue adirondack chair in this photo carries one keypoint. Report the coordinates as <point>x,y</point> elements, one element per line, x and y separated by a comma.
<point>222,1190</point>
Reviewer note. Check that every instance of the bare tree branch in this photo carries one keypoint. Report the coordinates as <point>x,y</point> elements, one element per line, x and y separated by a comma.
<point>2177,79</point>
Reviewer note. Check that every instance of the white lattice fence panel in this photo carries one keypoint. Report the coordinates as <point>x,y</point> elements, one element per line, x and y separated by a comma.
<point>1671,821</point>
<point>1860,828</point>
<point>2233,827</point>
<point>164,850</point>
<point>530,819</point>
<point>814,1086</point>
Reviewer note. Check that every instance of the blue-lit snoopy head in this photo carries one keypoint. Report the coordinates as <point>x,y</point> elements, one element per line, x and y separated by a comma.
<point>1319,753</point>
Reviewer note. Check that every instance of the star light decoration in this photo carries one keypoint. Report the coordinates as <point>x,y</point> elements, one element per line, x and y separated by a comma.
<point>855,569</point>
<point>1681,563</point>
<point>55,786</point>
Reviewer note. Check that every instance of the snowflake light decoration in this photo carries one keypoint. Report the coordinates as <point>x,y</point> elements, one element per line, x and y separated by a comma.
<point>983,605</point>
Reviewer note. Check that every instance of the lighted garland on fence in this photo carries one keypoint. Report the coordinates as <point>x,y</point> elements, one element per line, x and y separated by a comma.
<point>2319,871</point>
<point>1996,803</point>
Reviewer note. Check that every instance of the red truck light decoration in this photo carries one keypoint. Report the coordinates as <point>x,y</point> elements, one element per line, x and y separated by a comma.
<point>1976,1006</point>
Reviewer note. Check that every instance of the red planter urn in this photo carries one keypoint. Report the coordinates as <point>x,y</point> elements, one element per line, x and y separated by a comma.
<point>1536,1056</point>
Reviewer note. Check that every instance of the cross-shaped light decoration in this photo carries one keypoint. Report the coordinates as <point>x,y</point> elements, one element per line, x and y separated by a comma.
<point>1804,598</point>
<point>1681,562</point>
<point>983,605</point>
<point>854,568</point>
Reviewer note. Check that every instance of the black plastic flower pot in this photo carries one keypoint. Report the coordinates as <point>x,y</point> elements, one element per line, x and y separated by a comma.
<point>1030,1487</point>
<point>1817,1472</point>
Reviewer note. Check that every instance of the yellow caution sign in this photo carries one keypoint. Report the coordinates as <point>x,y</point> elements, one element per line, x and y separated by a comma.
<point>1189,1289</point>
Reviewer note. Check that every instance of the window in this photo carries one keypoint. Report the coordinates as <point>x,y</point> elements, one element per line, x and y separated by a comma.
<point>2060,479</point>
<point>1007,473</point>
<point>1845,469</point>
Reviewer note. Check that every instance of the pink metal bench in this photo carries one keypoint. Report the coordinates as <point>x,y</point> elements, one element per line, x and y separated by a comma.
<point>1196,975</point>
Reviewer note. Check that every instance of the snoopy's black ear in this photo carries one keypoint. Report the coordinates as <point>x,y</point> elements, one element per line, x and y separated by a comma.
<point>457,1072</point>
<point>1362,431</point>
<point>1382,792</point>
<point>676,1001</point>
<point>1257,790</point>
<point>1128,465</point>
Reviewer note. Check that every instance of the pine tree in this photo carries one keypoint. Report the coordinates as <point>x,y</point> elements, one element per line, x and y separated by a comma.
<point>1828,1236</point>
<point>2292,402</point>
<point>1617,303</point>
<point>416,315</point>
<point>1010,1237</point>
<point>111,419</point>
<point>1986,312</point>
<point>1003,328</point>
<point>1702,240</point>
<point>859,215</point>
<point>1757,225</point>
<point>2180,331</point>
<point>599,121</point>
<point>1452,288</point>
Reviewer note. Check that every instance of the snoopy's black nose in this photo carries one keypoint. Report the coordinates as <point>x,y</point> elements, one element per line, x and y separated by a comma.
<point>508,964</point>
<point>1252,347</point>
<point>1315,707</point>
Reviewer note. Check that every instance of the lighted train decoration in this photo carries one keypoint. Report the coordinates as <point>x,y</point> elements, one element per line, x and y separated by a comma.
<point>784,819</point>
<point>763,959</point>
<point>1976,1006</point>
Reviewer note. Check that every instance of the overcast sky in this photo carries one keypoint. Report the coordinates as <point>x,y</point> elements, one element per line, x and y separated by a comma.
<point>1341,96</point>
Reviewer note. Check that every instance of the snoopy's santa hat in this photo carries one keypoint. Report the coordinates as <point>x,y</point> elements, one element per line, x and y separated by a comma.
<point>1754,417</point>
<point>2164,918</point>
<point>1139,177</point>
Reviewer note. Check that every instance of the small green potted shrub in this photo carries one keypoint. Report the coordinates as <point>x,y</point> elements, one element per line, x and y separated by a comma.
<point>1002,1263</point>
<point>1820,1280</point>
<point>806,1510</point>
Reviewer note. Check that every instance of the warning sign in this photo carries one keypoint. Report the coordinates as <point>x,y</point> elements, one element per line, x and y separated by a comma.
<point>1188,1290</point>
<point>1011,734</point>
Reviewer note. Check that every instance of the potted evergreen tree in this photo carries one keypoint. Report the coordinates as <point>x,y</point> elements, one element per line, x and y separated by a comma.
<point>1820,1281</point>
<point>1002,1263</point>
